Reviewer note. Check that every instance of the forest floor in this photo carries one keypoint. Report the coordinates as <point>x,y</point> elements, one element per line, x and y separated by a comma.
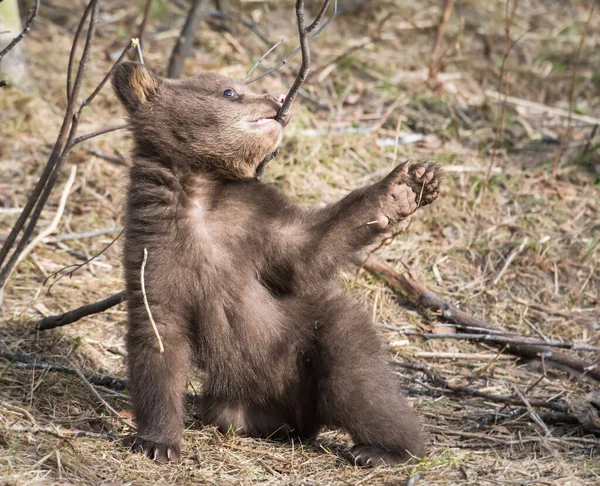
<point>519,248</point>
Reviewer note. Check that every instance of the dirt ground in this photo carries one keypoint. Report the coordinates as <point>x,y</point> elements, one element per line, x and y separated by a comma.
<point>518,248</point>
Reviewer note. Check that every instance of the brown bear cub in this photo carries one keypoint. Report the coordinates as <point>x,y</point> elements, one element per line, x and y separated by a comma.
<point>242,283</point>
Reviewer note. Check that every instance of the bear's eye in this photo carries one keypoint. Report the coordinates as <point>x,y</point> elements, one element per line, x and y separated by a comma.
<point>229,93</point>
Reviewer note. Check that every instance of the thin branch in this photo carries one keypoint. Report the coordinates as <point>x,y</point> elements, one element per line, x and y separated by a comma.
<point>262,58</point>
<point>29,22</point>
<point>184,43</point>
<point>77,266</point>
<point>303,32</point>
<point>144,24</point>
<point>297,50</point>
<point>52,322</point>
<point>500,128</point>
<point>572,93</point>
<point>102,131</point>
<point>147,306</point>
<point>98,397</point>
<point>439,380</point>
<point>78,32</point>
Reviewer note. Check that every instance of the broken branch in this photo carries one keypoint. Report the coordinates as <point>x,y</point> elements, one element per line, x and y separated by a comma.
<point>75,315</point>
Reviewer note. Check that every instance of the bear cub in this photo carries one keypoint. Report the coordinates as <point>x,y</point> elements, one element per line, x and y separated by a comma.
<point>242,283</point>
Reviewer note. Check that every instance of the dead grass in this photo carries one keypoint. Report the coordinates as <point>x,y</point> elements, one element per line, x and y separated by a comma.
<point>457,247</point>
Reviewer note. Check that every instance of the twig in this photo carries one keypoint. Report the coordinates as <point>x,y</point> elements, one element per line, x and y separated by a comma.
<point>509,260</point>
<point>147,306</point>
<point>547,417</point>
<point>28,23</point>
<point>459,355</point>
<point>419,294</point>
<point>85,234</point>
<point>184,43</point>
<point>572,93</point>
<point>303,32</point>
<point>78,32</point>
<point>532,413</point>
<point>52,322</point>
<point>77,266</point>
<point>53,224</point>
<point>298,49</point>
<point>113,159</point>
<point>24,361</point>
<point>19,410</point>
<point>94,392</point>
<point>262,58</point>
<point>102,131</point>
<point>143,25</point>
<point>434,58</point>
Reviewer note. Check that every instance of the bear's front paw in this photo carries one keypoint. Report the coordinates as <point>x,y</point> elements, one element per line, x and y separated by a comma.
<point>156,451</point>
<point>409,187</point>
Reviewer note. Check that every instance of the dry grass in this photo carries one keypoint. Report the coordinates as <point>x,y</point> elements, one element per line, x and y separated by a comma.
<point>457,247</point>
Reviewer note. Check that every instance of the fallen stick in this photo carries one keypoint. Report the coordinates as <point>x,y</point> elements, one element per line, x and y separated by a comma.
<point>24,361</point>
<point>52,322</point>
<point>419,294</point>
<point>496,338</point>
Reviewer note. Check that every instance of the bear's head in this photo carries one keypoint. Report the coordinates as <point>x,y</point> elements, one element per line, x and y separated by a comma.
<point>207,122</point>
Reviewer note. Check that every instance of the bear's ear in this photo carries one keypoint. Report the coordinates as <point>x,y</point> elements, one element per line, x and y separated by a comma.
<point>134,84</point>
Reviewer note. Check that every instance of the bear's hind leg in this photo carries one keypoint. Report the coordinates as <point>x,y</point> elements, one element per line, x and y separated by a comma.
<point>358,391</point>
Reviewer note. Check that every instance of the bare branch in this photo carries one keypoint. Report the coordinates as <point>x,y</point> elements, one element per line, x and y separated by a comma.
<point>102,131</point>
<point>297,50</point>
<point>78,32</point>
<point>29,22</point>
<point>63,145</point>
<point>77,266</point>
<point>75,315</point>
<point>184,43</point>
<point>273,47</point>
<point>49,175</point>
<point>144,24</point>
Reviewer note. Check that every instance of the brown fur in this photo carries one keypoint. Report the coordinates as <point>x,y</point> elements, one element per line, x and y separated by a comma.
<point>241,282</point>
